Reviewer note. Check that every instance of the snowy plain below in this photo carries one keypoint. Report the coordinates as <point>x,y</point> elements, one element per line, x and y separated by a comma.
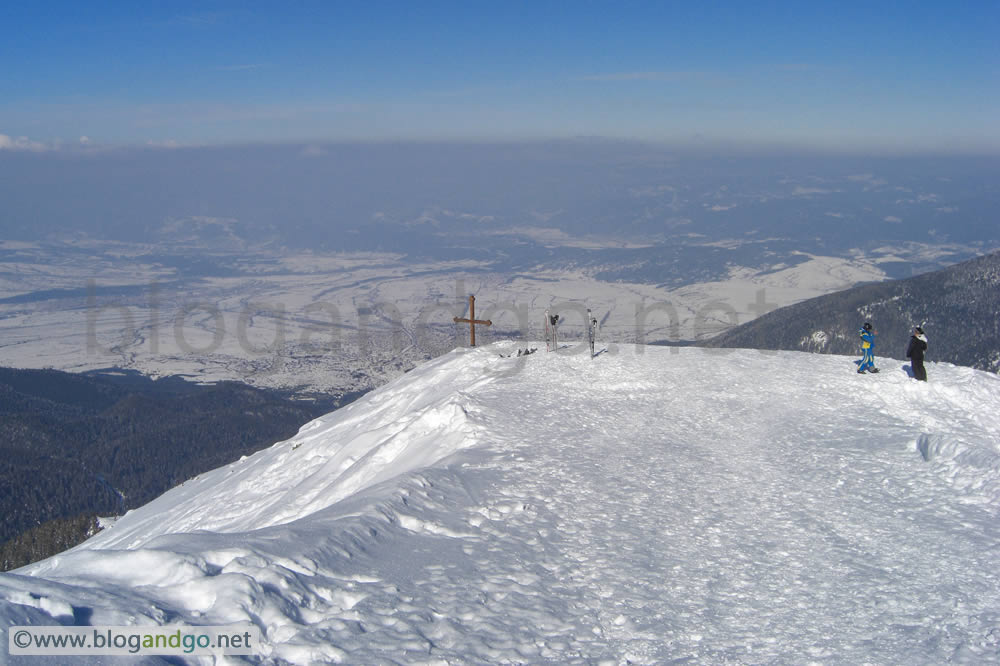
<point>343,322</point>
<point>651,505</point>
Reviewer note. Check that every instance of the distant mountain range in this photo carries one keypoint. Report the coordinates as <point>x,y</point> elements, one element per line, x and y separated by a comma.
<point>958,307</point>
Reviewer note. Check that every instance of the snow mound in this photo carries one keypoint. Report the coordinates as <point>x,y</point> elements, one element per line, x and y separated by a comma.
<point>646,506</point>
<point>959,421</point>
<point>410,424</point>
<point>973,467</point>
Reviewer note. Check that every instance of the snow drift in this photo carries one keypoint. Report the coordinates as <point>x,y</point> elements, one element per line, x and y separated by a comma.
<point>651,504</point>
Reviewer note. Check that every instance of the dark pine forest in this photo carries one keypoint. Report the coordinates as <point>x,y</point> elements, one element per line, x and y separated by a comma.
<point>73,447</point>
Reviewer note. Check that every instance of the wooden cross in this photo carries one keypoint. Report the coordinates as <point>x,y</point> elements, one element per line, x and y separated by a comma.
<point>472,321</point>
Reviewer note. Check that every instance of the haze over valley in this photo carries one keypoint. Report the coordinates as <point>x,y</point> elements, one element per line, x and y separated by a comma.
<point>334,267</point>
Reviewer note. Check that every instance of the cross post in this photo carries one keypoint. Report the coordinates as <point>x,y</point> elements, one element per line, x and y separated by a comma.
<point>472,321</point>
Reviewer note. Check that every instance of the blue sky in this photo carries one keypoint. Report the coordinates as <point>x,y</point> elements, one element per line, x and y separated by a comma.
<point>898,76</point>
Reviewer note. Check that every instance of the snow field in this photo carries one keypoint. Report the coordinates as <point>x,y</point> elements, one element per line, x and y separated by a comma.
<point>646,506</point>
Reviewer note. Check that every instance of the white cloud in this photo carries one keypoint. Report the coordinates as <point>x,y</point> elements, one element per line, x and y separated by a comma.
<point>652,191</point>
<point>174,225</point>
<point>870,181</point>
<point>719,207</point>
<point>921,198</point>
<point>800,191</point>
<point>20,143</point>
<point>893,219</point>
<point>545,217</point>
<point>165,143</point>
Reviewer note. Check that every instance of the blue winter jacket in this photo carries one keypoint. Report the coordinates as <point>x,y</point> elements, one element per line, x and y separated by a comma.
<point>867,339</point>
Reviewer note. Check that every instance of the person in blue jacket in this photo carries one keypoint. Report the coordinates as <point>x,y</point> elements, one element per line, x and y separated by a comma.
<point>867,349</point>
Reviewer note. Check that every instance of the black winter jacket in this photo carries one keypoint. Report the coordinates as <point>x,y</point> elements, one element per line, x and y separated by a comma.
<point>916,349</point>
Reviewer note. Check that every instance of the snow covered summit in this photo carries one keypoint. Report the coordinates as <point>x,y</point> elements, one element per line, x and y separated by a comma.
<point>648,505</point>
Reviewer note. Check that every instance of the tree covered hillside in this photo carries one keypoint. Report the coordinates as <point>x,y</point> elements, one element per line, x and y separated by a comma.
<point>77,444</point>
<point>959,308</point>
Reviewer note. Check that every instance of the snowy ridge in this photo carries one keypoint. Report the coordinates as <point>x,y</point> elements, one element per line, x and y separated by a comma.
<point>393,430</point>
<point>652,504</point>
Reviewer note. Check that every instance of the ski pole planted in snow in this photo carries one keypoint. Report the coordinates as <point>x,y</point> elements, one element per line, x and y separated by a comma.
<point>591,331</point>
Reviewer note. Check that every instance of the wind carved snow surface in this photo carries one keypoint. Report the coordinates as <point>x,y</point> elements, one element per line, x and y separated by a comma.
<point>649,505</point>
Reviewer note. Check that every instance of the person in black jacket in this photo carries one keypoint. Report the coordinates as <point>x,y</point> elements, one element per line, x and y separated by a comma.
<point>915,352</point>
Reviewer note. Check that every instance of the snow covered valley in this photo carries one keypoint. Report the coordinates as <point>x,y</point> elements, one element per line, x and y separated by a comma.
<point>650,505</point>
